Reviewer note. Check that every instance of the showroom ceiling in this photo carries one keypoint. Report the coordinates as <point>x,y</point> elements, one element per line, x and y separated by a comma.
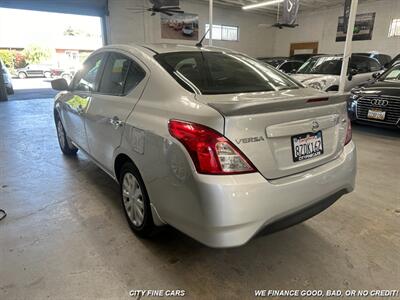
<point>305,5</point>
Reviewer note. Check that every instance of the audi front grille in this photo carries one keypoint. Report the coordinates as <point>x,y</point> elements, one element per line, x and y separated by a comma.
<point>391,105</point>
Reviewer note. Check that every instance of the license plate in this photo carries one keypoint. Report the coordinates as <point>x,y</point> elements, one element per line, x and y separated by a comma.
<point>376,114</point>
<point>307,145</point>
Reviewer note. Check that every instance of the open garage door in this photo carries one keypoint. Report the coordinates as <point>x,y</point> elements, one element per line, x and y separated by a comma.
<point>42,40</point>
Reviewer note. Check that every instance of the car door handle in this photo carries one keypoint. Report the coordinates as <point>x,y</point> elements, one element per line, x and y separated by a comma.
<point>116,122</point>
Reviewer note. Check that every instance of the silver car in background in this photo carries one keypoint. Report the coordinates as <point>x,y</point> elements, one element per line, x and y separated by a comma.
<point>323,72</point>
<point>209,141</point>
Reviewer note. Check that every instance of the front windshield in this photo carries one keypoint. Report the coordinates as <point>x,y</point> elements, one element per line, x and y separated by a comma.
<point>329,65</point>
<point>223,73</point>
<point>392,74</point>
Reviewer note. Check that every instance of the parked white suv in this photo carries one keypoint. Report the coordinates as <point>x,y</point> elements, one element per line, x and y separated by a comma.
<point>323,72</point>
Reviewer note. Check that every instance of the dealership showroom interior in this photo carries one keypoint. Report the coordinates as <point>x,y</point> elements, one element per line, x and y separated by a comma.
<point>199,149</point>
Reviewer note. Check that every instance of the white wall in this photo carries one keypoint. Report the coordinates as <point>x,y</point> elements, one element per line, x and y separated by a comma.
<point>321,26</point>
<point>128,27</point>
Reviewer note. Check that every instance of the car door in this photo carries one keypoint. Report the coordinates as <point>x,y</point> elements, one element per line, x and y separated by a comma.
<point>77,101</point>
<point>121,86</point>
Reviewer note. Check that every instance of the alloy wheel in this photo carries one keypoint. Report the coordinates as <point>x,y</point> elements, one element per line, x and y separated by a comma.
<point>133,199</point>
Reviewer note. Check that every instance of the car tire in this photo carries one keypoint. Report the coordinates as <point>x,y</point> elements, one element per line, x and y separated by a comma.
<point>10,91</point>
<point>63,140</point>
<point>135,201</point>
<point>47,74</point>
<point>22,75</point>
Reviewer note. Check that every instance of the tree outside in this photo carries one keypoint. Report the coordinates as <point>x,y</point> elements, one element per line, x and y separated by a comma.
<point>35,54</point>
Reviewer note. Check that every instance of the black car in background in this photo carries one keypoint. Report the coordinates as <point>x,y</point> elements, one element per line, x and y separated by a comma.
<point>378,103</point>
<point>274,61</point>
<point>290,66</point>
<point>303,57</point>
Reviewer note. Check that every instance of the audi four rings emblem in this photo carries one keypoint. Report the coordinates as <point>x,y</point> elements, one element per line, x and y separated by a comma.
<point>379,102</point>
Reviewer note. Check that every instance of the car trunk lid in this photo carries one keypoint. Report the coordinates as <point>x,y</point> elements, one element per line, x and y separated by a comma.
<point>263,125</point>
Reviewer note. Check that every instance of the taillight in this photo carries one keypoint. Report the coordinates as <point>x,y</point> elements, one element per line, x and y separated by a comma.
<point>210,151</point>
<point>349,134</point>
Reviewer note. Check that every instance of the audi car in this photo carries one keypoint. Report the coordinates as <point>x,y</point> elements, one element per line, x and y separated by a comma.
<point>379,102</point>
<point>207,140</point>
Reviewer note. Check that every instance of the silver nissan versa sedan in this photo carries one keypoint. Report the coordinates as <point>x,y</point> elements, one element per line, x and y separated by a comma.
<point>207,140</point>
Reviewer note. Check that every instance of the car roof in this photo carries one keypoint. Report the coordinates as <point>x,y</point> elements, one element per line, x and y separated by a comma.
<point>151,49</point>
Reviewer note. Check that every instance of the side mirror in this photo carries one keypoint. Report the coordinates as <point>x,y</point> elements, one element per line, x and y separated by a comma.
<point>376,75</point>
<point>59,84</point>
<point>387,65</point>
<point>352,72</point>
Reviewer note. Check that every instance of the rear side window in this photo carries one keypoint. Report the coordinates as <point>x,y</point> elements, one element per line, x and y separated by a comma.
<point>85,80</point>
<point>223,73</point>
<point>121,75</point>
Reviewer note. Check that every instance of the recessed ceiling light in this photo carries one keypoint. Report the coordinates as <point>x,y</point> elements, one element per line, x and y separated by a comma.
<point>261,4</point>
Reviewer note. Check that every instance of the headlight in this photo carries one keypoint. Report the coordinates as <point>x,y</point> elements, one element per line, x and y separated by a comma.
<point>318,85</point>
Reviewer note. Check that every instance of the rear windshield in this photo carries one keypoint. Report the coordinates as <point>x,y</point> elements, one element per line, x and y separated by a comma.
<point>223,73</point>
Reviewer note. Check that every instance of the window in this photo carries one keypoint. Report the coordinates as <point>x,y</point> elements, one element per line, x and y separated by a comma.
<point>223,32</point>
<point>223,73</point>
<point>86,78</point>
<point>120,75</point>
<point>134,77</point>
<point>394,29</point>
<point>392,74</point>
<point>290,66</point>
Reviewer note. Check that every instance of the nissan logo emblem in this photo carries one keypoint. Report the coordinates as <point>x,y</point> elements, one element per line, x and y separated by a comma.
<point>379,102</point>
<point>315,125</point>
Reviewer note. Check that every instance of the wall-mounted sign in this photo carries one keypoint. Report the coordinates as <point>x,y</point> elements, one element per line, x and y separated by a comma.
<point>180,27</point>
<point>363,28</point>
<point>290,10</point>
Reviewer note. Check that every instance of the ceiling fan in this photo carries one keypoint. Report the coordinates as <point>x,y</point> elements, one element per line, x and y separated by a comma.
<point>167,7</point>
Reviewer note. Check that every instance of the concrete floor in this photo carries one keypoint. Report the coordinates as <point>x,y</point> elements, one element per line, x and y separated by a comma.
<point>65,235</point>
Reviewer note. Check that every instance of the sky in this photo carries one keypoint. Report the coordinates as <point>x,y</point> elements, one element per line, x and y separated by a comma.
<point>24,27</point>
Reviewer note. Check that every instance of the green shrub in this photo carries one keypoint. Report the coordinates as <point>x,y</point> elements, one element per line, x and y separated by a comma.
<point>8,57</point>
<point>35,54</point>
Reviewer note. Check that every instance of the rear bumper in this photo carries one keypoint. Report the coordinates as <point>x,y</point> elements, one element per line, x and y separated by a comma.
<point>232,209</point>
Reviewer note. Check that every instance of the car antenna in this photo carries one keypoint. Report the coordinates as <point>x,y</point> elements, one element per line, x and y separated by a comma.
<point>200,44</point>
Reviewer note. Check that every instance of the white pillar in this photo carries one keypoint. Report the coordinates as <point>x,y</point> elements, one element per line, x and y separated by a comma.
<point>348,45</point>
<point>210,21</point>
